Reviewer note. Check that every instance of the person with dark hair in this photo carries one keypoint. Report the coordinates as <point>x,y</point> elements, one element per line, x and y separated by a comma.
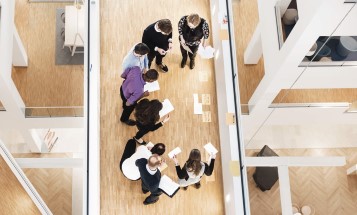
<point>150,177</point>
<point>194,169</point>
<point>131,154</point>
<point>132,90</point>
<point>192,29</point>
<point>137,56</point>
<point>146,115</point>
<point>158,37</point>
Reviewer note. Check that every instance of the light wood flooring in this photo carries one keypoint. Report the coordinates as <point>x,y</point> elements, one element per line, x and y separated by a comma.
<point>14,199</point>
<point>328,189</point>
<point>122,24</point>
<point>53,185</point>
<point>43,83</point>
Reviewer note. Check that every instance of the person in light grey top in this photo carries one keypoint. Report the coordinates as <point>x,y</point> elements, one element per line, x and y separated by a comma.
<point>137,56</point>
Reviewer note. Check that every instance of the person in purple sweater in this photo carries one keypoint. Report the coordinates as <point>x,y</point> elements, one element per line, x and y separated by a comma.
<point>132,90</point>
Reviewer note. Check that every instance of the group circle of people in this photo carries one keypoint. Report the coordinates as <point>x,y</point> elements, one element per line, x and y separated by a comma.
<point>142,162</point>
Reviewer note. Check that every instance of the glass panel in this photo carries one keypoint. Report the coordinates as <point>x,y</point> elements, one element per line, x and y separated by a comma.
<point>31,112</point>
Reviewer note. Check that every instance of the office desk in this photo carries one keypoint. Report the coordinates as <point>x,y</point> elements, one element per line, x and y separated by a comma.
<point>74,28</point>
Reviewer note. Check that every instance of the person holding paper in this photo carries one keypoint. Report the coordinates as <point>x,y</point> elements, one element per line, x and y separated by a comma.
<point>150,177</point>
<point>194,169</point>
<point>132,90</point>
<point>158,37</point>
<point>137,56</point>
<point>131,154</point>
<point>147,115</point>
<point>192,29</point>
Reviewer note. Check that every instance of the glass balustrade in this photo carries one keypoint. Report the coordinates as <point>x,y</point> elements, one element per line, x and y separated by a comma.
<point>38,112</point>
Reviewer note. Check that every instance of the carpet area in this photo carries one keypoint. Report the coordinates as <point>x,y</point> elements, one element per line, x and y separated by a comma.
<point>63,55</point>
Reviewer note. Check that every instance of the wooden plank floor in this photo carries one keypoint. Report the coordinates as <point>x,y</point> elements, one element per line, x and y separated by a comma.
<point>43,83</point>
<point>328,189</point>
<point>14,199</point>
<point>122,24</point>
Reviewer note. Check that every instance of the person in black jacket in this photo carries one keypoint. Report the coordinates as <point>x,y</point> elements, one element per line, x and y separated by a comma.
<point>192,29</point>
<point>150,177</point>
<point>194,169</point>
<point>158,37</point>
<point>146,115</point>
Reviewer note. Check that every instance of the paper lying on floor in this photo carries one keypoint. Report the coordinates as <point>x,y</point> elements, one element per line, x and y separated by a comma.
<point>151,87</point>
<point>167,107</point>
<point>197,108</point>
<point>210,148</point>
<point>176,151</point>
<point>168,185</point>
<point>206,53</point>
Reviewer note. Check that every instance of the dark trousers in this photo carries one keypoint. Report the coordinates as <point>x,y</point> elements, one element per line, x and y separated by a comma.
<point>127,110</point>
<point>144,129</point>
<point>152,54</point>
<point>184,52</point>
<point>129,150</point>
<point>153,196</point>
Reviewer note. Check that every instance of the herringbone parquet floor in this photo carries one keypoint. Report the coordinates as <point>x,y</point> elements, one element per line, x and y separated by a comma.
<point>53,185</point>
<point>327,189</point>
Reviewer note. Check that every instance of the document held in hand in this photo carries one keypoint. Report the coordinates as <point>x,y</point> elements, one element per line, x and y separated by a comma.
<point>210,148</point>
<point>168,186</point>
<point>176,151</point>
<point>206,53</point>
<point>167,107</point>
<point>151,87</point>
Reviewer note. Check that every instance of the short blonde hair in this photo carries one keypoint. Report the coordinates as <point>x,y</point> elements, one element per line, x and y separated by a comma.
<point>194,19</point>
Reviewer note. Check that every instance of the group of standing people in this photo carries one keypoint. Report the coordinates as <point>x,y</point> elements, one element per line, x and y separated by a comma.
<point>143,162</point>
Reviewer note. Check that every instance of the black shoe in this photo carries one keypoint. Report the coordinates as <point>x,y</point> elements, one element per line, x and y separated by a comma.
<point>148,203</point>
<point>183,62</point>
<point>163,67</point>
<point>185,188</point>
<point>192,64</point>
<point>130,122</point>
<point>198,185</point>
<point>140,143</point>
<point>144,191</point>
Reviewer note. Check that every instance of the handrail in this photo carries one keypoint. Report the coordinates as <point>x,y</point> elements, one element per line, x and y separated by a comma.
<point>67,111</point>
<point>24,181</point>
<point>313,105</point>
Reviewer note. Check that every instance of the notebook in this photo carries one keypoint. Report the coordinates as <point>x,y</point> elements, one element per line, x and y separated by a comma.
<point>210,148</point>
<point>151,87</point>
<point>168,186</point>
<point>167,107</point>
<point>176,151</point>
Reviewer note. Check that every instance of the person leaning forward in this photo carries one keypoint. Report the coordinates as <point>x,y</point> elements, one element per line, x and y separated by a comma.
<point>132,90</point>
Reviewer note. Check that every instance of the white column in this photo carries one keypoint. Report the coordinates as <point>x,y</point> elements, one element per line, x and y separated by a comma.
<point>284,187</point>
<point>254,51</point>
<point>19,56</point>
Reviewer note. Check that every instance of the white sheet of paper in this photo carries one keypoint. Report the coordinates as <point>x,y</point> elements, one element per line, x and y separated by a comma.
<point>176,151</point>
<point>168,185</point>
<point>206,53</point>
<point>197,108</point>
<point>151,87</point>
<point>210,148</point>
<point>149,144</point>
<point>195,98</point>
<point>167,107</point>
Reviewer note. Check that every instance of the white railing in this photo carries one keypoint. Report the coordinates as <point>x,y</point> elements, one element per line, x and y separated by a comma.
<point>20,175</point>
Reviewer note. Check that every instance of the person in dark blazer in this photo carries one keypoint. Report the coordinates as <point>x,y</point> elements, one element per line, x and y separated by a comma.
<point>193,170</point>
<point>158,37</point>
<point>192,29</point>
<point>150,177</point>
